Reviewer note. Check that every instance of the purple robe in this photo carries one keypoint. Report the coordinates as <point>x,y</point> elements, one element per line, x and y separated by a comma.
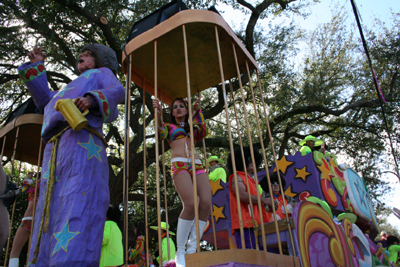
<point>81,195</point>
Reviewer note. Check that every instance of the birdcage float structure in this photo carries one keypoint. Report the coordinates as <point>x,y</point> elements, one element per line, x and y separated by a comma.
<point>185,54</point>
<point>20,134</point>
<point>20,141</point>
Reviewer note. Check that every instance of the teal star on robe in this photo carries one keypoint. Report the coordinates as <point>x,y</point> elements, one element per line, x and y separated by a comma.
<point>87,73</point>
<point>63,238</point>
<point>93,149</point>
<point>47,173</point>
<point>62,92</point>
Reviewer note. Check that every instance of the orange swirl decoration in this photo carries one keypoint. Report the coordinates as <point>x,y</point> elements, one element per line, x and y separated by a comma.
<point>348,228</point>
<point>311,219</point>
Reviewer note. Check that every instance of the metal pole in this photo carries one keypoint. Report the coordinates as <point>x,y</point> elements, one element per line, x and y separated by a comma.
<point>126,158</point>
<point>196,208</point>
<point>157,155</point>
<point>145,176</point>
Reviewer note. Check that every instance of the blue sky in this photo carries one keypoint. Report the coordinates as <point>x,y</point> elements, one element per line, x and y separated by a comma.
<point>321,12</point>
<point>368,9</point>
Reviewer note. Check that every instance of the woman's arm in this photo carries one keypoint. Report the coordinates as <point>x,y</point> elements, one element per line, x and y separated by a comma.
<point>162,127</point>
<point>199,126</point>
<point>157,105</point>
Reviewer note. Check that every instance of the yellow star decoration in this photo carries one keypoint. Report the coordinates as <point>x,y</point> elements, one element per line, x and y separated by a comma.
<point>324,172</point>
<point>302,173</point>
<point>288,192</point>
<point>215,186</point>
<point>283,164</point>
<point>218,213</point>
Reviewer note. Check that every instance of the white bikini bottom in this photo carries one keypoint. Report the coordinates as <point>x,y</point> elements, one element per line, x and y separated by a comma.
<point>186,160</point>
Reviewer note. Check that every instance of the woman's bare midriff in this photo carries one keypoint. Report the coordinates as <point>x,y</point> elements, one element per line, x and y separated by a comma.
<point>178,149</point>
<point>29,209</point>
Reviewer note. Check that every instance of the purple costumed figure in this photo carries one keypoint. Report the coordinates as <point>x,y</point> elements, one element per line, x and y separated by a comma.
<point>74,196</point>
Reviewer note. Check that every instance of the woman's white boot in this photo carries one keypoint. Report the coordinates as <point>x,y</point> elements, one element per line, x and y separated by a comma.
<point>14,262</point>
<point>182,234</point>
<point>192,245</point>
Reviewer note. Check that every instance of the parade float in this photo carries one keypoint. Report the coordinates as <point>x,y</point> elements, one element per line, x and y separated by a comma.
<point>333,222</point>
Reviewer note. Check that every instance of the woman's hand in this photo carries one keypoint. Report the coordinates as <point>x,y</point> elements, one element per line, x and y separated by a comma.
<point>156,104</point>
<point>196,105</point>
<point>36,55</point>
<point>84,102</point>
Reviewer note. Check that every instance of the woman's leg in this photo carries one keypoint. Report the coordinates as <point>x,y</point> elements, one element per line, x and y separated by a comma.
<point>184,186</point>
<point>204,193</point>
<point>21,236</point>
<point>23,232</point>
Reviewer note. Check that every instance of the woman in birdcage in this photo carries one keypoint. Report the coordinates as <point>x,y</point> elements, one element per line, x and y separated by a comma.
<point>177,134</point>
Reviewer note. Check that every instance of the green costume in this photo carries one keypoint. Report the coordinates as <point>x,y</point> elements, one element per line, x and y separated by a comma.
<point>112,253</point>
<point>218,173</point>
<point>393,252</point>
<point>305,150</point>
<point>164,248</point>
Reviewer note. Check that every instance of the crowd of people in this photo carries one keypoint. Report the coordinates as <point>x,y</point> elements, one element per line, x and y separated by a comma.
<point>73,200</point>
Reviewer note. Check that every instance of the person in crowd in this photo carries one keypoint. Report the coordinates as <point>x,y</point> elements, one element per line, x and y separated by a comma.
<point>383,235</point>
<point>308,143</point>
<point>393,248</point>
<point>177,133</point>
<point>245,185</point>
<point>4,217</point>
<point>24,230</point>
<point>74,195</point>
<point>164,246</point>
<point>277,196</point>
<point>112,252</point>
<point>216,171</point>
<point>323,148</point>
<point>137,255</point>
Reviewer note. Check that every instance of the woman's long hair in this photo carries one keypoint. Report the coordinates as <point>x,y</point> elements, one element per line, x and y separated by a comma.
<point>172,118</point>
